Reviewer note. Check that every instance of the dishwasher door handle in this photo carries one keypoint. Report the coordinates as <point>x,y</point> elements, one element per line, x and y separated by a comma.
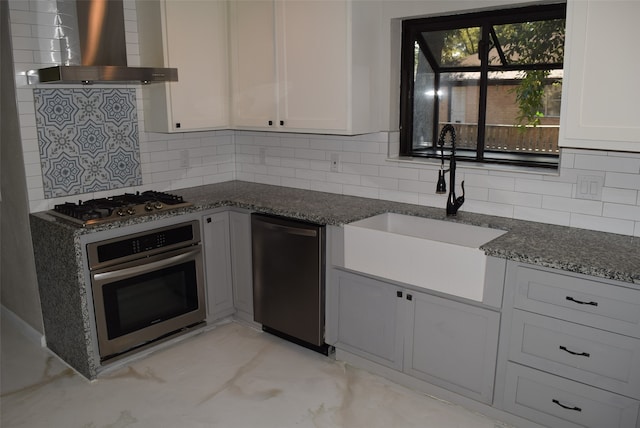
<point>291,230</point>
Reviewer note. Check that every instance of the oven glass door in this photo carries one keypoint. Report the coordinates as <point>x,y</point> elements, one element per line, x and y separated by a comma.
<point>141,301</point>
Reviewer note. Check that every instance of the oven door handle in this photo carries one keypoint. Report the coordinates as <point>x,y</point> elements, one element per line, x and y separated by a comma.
<point>147,267</point>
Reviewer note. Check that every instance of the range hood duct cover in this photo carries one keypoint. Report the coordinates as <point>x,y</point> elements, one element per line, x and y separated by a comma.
<point>93,47</point>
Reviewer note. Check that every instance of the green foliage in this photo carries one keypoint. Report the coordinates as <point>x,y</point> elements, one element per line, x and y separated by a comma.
<point>538,43</point>
<point>460,44</point>
<point>530,96</point>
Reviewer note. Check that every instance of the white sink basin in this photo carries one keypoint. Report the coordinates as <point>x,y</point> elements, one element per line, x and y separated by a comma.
<point>433,254</point>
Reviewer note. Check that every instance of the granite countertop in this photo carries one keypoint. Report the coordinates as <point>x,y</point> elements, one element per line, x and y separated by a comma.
<point>593,253</point>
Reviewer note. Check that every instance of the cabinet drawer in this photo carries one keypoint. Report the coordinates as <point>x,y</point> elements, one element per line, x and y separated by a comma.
<point>577,299</point>
<point>600,358</point>
<point>556,402</point>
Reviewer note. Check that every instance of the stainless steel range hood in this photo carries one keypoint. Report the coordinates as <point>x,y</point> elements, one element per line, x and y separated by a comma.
<point>93,47</point>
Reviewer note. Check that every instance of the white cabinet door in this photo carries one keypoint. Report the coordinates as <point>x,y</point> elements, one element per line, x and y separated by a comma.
<point>241,267</point>
<point>304,66</point>
<point>217,264</point>
<point>190,35</point>
<point>601,85</point>
<point>312,64</point>
<point>368,323</point>
<point>253,69</point>
<point>452,345</point>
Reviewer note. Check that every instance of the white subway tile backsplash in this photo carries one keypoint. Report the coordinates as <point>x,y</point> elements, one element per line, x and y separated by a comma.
<point>485,207</point>
<point>419,187</point>
<point>619,196</point>
<point>361,191</point>
<point>218,178</point>
<point>520,199</point>
<point>268,179</point>
<point>23,57</point>
<point>621,211</point>
<point>572,205</point>
<point>310,154</point>
<point>622,181</point>
<point>326,187</point>
<point>544,187</point>
<point>373,158</point>
<point>602,224</point>
<point>311,175</point>
<point>295,142</point>
<point>360,169</point>
<point>342,178</point>
<point>324,144</point>
<point>477,193</point>
<point>281,171</point>
<point>542,215</point>
<point>491,181</point>
<point>27,43</point>
<point>400,173</point>
<point>607,163</point>
<point>382,183</point>
<point>295,163</point>
<point>281,152</point>
<point>396,196</point>
<point>363,147</point>
<point>20,30</point>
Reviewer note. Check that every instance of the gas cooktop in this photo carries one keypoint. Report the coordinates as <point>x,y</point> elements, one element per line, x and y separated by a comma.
<point>96,211</point>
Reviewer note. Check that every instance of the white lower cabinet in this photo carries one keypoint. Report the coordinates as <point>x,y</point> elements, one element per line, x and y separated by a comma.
<point>569,349</point>
<point>368,322</point>
<point>241,268</point>
<point>226,238</point>
<point>554,401</point>
<point>452,345</point>
<point>217,265</point>
<point>446,343</point>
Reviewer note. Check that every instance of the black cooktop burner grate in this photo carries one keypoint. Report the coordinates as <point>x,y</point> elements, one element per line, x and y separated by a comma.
<point>114,207</point>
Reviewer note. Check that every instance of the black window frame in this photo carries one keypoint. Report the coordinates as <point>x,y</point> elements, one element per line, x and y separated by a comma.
<point>485,20</point>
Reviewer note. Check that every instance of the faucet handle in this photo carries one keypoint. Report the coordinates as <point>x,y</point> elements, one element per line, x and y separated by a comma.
<point>460,199</point>
<point>441,187</point>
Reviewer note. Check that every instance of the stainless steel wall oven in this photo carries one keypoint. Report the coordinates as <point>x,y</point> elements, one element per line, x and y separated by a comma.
<point>146,286</point>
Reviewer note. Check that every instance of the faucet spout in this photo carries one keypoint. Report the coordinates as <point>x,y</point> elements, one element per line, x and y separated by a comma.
<point>453,203</point>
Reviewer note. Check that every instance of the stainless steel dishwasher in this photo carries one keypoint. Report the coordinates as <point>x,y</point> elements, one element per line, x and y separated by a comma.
<point>289,279</point>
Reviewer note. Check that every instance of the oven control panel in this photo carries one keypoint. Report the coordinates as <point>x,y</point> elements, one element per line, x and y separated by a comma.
<point>142,244</point>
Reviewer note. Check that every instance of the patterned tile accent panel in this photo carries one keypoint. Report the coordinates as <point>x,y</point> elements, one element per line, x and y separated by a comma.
<point>88,140</point>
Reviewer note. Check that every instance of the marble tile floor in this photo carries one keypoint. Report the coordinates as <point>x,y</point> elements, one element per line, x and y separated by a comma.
<point>230,376</point>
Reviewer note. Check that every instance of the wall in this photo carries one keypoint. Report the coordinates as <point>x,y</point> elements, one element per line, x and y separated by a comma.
<point>368,167</point>
<point>19,290</point>
<point>303,161</point>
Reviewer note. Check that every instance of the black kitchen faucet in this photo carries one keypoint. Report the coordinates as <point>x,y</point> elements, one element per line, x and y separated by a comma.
<point>453,203</point>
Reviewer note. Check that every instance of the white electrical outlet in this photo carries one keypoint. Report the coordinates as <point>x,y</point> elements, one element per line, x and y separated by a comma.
<point>335,162</point>
<point>589,187</point>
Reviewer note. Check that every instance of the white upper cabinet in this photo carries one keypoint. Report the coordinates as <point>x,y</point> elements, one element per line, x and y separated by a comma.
<point>601,91</point>
<point>192,36</point>
<point>304,66</point>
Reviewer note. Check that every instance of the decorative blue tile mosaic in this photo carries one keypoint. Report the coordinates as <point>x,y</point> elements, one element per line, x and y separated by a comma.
<point>88,140</point>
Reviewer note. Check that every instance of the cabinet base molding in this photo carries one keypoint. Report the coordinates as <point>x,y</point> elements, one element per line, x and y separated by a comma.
<point>432,391</point>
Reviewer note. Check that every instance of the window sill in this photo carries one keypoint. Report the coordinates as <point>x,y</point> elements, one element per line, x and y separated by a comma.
<point>475,165</point>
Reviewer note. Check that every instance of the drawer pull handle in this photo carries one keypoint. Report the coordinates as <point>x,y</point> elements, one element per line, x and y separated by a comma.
<point>581,302</point>
<point>577,409</point>
<point>582,354</point>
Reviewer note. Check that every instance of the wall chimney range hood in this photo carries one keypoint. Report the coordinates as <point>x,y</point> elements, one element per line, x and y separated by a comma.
<point>93,47</point>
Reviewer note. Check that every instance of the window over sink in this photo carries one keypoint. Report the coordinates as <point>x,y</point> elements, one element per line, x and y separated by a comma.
<point>496,76</point>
